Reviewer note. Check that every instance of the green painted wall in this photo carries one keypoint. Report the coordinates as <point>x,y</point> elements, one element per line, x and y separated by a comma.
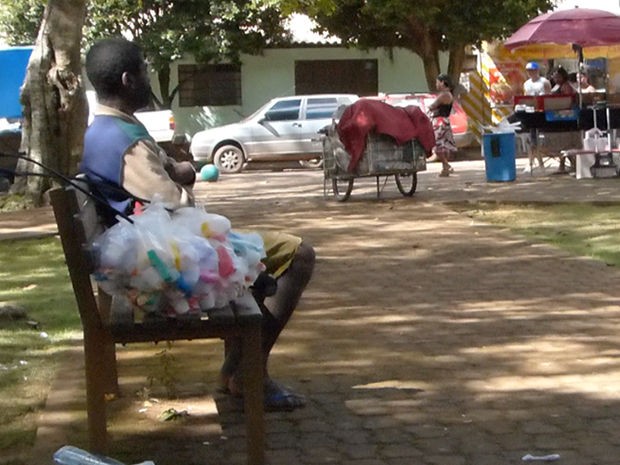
<point>272,75</point>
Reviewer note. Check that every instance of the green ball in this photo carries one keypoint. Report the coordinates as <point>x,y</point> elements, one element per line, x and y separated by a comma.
<point>209,173</point>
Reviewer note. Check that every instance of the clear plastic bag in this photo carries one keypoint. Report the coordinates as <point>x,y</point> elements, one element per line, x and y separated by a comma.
<point>178,262</point>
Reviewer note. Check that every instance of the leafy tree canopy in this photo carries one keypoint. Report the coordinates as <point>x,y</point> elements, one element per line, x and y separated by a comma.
<point>425,27</point>
<point>212,31</point>
<point>20,21</point>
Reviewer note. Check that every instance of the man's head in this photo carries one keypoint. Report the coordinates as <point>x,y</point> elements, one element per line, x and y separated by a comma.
<point>532,69</point>
<point>583,79</point>
<point>117,70</point>
<point>560,75</point>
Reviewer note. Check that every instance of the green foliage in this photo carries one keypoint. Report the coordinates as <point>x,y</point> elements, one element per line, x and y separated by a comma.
<point>166,372</point>
<point>34,277</point>
<point>422,26</point>
<point>376,23</point>
<point>20,21</point>
<point>168,30</point>
<point>581,229</point>
<point>13,202</point>
<point>211,31</point>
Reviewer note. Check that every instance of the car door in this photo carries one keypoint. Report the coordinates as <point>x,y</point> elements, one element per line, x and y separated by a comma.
<point>317,112</point>
<point>278,131</point>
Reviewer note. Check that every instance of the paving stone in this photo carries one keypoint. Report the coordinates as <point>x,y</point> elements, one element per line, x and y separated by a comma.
<point>423,338</point>
<point>359,451</point>
<point>444,460</point>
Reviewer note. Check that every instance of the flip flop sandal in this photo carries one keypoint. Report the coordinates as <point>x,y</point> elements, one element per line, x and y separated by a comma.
<point>279,398</point>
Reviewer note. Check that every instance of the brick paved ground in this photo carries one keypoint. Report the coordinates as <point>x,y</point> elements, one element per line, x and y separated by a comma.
<point>424,338</point>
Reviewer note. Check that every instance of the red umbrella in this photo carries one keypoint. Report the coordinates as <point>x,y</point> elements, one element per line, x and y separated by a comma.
<point>553,34</point>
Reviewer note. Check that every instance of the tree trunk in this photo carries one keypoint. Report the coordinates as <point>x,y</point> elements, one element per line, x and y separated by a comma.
<point>455,66</point>
<point>431,70</point>
<point>163,76</point>
<point>426,46</point>
<point>54,104</point>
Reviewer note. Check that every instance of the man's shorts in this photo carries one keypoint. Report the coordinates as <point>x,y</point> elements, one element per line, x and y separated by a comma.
<point>280,249</point>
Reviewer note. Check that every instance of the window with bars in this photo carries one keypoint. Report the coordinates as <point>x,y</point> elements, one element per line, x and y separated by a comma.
<point>209,85</point>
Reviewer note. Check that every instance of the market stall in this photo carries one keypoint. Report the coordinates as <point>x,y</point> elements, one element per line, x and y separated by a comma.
<point>568,34</point>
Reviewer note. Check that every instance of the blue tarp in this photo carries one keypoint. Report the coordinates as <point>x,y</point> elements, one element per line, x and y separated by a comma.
<point>13,63</point>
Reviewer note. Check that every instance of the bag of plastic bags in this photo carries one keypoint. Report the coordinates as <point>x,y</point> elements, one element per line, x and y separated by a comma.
<point>177,262</point>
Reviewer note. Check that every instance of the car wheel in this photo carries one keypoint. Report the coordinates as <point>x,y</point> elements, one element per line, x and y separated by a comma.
<point>312,164</point>
<point>229,159</point>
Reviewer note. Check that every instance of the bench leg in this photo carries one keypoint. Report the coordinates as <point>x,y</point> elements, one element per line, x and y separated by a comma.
<point>95,367</point>
<point>110,374</point>
<point>253,382</point>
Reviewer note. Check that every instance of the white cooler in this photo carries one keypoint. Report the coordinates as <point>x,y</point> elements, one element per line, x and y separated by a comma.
<point>582,167</point>
<point>595,140</point>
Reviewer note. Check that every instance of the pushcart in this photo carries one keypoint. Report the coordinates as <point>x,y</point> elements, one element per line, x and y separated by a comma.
<point>382,158</point>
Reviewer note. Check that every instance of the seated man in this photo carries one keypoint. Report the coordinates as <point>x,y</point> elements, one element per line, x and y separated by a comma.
<point>120,156</point>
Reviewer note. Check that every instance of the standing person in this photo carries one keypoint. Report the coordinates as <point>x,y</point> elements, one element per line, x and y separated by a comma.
<point>585,86</point>
<point>572,78</point>
<point>535,85</point>
<point>562,87</point>
<point>440,111</point>
<point>562,84</point>
<point>120,155</point>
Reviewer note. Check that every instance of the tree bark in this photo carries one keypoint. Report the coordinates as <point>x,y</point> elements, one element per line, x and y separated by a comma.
<point>455,65</point>
<point>54,104</point>
<point>163,76</point>
<point>431,70</point>
<point>423,43</point>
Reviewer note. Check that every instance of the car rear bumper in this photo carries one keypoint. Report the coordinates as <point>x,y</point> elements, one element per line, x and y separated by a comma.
<point>464,139</point>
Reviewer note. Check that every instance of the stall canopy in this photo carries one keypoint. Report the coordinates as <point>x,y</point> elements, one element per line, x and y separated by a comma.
<point>565,33</point>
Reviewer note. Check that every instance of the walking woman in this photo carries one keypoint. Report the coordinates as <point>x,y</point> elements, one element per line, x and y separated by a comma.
<point>440,111</point>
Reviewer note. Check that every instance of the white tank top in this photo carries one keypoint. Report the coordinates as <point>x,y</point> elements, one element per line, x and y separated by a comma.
<point>536,87</point>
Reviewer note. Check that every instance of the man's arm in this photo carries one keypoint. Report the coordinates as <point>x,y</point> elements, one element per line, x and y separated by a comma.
<point>145,175</point>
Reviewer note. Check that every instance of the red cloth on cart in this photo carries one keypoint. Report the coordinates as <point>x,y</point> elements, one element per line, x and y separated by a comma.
<point>366,115</point>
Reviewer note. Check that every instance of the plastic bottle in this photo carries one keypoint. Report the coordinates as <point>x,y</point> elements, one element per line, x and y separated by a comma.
<point>70,455</point>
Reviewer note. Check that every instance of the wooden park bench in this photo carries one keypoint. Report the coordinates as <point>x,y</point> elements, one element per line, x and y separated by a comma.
<point>78,224</point>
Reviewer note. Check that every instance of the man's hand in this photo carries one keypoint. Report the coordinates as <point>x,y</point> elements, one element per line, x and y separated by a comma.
<point>182,173</point>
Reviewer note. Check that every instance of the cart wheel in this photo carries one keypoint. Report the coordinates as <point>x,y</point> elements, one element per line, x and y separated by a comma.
<point>407,183</point>
<point>342,188</point>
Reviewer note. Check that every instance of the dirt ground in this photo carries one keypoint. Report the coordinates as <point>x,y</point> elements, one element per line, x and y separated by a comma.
<point>422,338</point>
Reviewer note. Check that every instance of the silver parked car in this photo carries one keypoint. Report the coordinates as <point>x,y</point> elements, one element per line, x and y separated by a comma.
<point>284,129</point>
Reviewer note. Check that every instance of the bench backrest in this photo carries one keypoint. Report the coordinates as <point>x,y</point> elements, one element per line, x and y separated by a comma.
<point>78,225</point>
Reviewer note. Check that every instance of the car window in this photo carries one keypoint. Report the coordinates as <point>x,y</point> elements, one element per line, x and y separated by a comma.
<point>286,110</point>
<point>321,108</point>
